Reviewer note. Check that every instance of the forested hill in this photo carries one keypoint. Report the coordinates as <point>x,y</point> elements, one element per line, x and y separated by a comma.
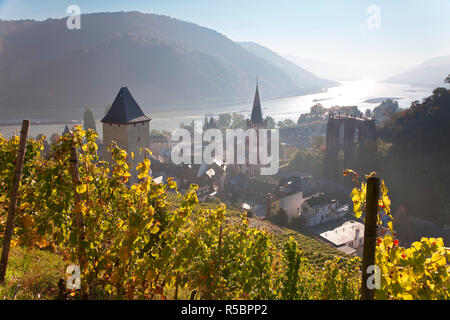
<point>417,165</point>
<point>164,61</point>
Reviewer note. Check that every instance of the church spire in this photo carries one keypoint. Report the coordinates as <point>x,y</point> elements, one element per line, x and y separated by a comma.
<point>256,116</point>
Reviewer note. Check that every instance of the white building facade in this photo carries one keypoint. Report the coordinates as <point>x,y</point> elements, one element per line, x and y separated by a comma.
<point>319,209</point>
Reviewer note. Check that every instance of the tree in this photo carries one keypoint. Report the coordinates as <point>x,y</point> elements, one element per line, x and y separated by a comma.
<point>385,110</point>
<point>270,122</point>
<point>224,120</point>
<point>54,137</point>
<point>89,120</point>
<point>288,123</point>
<point>447,80</point>
<point>280,218</point>
<point>317,110</point>
<point>308,161</point>
<point>318,142</point>
<point>418,156</point>
<point>238,121</point>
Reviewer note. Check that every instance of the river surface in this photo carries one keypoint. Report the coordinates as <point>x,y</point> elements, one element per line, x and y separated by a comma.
<point>349,93</point>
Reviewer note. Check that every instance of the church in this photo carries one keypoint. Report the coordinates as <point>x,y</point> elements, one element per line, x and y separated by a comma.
<point>127,125</point>
<point>255,122</point>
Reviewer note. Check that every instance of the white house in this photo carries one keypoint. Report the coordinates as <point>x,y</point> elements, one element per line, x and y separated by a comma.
<point>291,203</point>
<point>291,195</point>
<point>348,237</point>
<point>320,209</point>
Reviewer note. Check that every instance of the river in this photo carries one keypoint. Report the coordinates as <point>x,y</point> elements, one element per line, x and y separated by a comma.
<point>349,93</point>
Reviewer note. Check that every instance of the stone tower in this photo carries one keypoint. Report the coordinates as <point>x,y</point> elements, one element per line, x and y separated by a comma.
<point>350,142</point>
<point>129,127</point>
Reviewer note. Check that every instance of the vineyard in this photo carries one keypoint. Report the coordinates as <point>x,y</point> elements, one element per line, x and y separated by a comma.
<point>138,242</point>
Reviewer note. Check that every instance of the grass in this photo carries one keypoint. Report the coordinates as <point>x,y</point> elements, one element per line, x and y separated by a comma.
<point>32,274</point>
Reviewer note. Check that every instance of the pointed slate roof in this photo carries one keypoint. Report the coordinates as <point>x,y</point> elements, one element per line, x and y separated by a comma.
<point>66,130</point>
<point>212,123</point>
<point>125,109</point>
<point>256,116</point>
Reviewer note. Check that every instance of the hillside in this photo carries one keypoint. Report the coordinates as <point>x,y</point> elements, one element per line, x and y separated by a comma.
<point>46,68</point>
<point>316,251</point>
<point>303,78</point>
<point>327,69</point>
<point>38,271</point>
<point>419,157</point>
<point>428,74</point>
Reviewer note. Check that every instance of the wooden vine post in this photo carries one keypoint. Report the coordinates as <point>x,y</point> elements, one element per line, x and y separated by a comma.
<point>370,235</point>
<point>13,199</point>
<point>78,219</point>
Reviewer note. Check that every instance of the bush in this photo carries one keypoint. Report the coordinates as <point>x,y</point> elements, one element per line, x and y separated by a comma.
<point>280,218</point>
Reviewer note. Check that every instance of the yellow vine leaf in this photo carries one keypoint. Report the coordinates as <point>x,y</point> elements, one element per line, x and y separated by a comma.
<point>81,188</point>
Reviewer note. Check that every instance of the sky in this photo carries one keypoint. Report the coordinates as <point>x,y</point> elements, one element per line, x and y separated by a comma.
<point>385,34</point>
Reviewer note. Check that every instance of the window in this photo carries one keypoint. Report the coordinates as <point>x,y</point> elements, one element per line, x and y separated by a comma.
<point>139,138</point>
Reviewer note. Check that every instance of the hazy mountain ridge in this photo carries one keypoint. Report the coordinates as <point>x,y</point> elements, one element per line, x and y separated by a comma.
<point>164,62</point>
<point>430,73</point>
<point>326,69</point>
<point>304,78</point>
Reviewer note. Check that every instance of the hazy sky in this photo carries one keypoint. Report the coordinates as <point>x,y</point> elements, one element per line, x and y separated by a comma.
<point>410,31</point>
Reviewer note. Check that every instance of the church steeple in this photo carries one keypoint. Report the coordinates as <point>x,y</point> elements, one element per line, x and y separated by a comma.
<point>256,116</point>
<point>212,123</point>
<point>256,122</point>
<point>66,130</point>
